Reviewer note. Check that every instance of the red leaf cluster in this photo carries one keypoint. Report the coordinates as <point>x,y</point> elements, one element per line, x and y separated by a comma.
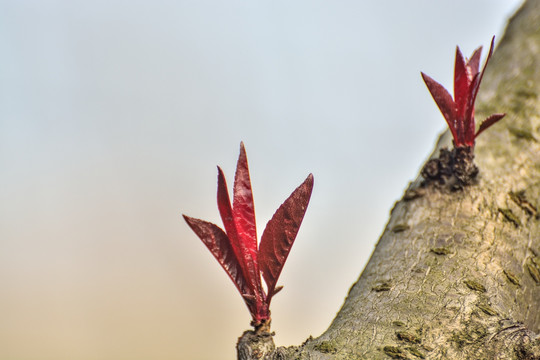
<point>459,112</point>
<point>236,248</point>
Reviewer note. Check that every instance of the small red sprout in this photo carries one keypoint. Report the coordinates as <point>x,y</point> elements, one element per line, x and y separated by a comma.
<point>456,168</point>
<point>236,248</point>
<point>459,112</point>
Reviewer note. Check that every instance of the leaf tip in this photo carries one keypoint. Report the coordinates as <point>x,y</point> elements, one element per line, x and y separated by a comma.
<point>243,154</point>
<point>187,219</point>
<point>308,185</point>
<point>192,223</point>
<point>310,178</point>
<point>220,171</point>
<point>277,289</point>
<point>459,56</point>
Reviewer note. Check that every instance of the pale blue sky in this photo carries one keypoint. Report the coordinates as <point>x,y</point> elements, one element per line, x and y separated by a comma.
<point>114,114</point>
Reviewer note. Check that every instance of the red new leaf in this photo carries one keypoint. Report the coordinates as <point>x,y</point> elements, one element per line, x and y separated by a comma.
<point>474,63</point>
<point>244,209</point>
<point>462,81</point>
<point>475,86</point>
<point>444,101</point>
<point>459,112</point>
<point>244,219</point>
<point>224,207</point>
<point>492,119</point>
<point>226,212</point>
<point>236,250</point>
<point>218,243</point>
<point>280,233</point>
<point>241,244</point>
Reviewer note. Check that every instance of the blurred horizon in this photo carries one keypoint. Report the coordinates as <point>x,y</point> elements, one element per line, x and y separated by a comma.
<point>114,115</point>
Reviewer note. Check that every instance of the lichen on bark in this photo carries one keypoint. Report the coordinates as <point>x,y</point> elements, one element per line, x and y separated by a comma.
<point>454,274</point>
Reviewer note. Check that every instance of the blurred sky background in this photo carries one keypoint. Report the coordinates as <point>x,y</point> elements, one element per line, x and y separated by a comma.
<point>114,115</point>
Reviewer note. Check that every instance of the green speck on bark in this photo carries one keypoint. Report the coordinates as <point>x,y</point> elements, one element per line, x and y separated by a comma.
<point>472,332</point>
<point>534,269</point>
<point>521,200</point>
<point>522,134</point>
<point>441,251</point>
<point>488,310</point>
<point>385,286</point>
<point>526,93</point>
<point>408,337</point>
<point>474,285</point>
<point>394,352</point>
<point>511,277</point>
<point>416,352</point>
<point>326,347</point>
<point>400,228</point>
<point>509,215</point>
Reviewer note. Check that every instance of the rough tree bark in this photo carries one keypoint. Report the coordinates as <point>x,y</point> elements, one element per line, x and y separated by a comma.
<point>456,275</point>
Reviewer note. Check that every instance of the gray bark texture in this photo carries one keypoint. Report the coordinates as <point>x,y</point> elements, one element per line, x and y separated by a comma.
<point>456,274</point>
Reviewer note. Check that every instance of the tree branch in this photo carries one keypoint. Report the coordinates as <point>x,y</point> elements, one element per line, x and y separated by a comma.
<point>456,275</point>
